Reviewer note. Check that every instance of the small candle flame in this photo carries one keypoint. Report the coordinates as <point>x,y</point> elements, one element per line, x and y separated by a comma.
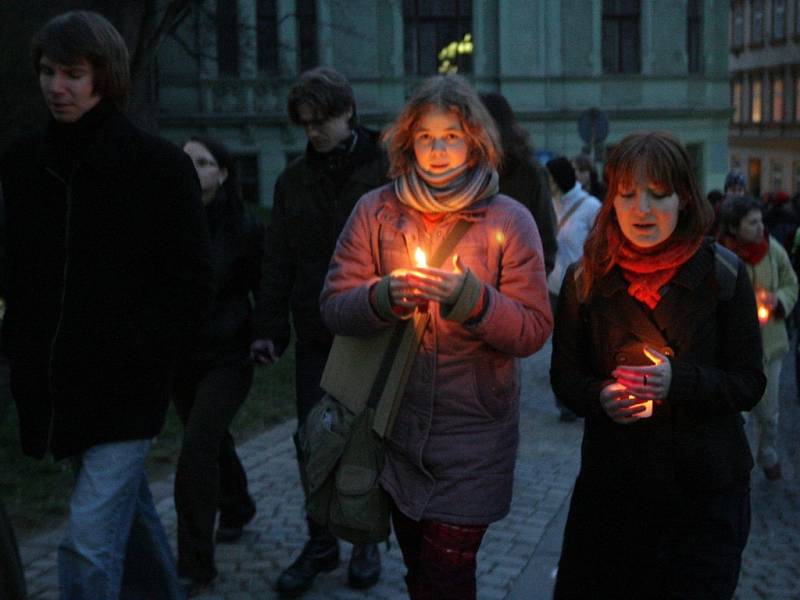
<point>763,314</point>
<point>420,258</point>
<point>653,358</point>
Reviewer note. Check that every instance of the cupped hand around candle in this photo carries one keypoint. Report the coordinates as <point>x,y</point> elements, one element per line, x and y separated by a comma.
<point>621,406</point>
<point>650,382</point>
<point>438,285</point>
<point>403,293</point>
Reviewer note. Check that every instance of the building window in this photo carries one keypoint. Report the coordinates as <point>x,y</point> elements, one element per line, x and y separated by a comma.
<point>438,36</point>
<point>307,33</point>
<point>778,19</point>
<point>754,176</point>
<point>227,19</point>
<point>621,48</point>
<point>757,23</point>
<point>737,24</point>
<point>736,101</point>
<point>776,175</point>
<point>755,101</point>
<point>694,35</point>
<point>797,98</point>
<point>796,178</point>
<point>267,36</point>
<point>777,99</point>
<point>247,169</point>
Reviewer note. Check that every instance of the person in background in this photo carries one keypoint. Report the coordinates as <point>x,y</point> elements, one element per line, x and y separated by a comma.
<point>735,184</point>
<point>450,457</point>
<point>657,345</point>
<point>774,286</point>
<point>313,198</point>
<point>109,277</point>
<point>521,177</point>
<point>780,219</point>
<point>212,382</point>
<point>575,214</point>
<point>587,176</point>
<point>12,575</point>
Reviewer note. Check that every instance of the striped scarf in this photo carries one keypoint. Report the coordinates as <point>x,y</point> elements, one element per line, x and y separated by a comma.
<point>446,192</point>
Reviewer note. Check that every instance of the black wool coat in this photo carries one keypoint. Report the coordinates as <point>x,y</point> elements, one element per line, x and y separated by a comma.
<point>635,478</point>
<point>313,199</point>
<point>108,275</point>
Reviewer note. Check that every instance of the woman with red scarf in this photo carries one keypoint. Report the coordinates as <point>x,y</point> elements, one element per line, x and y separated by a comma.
<point>660,357</point>
<point>775,287</point>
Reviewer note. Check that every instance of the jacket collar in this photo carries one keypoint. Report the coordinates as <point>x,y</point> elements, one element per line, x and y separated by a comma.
<point>102,145</point>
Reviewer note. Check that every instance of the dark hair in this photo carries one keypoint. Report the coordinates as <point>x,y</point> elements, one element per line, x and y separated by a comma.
<point>662,159</point>
<point>562,172</point>
<point>450,93</point>
<point>513,138</point>
<point>80,34</point>
<point>225,161</point>
<point>734,209</point>
<point>583,162</point>
<point>325,91</point>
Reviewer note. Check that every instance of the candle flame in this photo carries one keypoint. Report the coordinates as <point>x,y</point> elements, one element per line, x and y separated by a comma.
<point>763,314</point>
<point>653,358</point>
<point>420,258</point>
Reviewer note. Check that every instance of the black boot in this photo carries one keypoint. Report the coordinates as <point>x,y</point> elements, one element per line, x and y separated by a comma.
<point>319,555</point>
<point>365,566</point>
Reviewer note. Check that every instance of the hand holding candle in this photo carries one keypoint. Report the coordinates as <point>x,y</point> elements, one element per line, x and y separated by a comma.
<point>765,302</point>
<point>646,383</point>
<point>438,285</point>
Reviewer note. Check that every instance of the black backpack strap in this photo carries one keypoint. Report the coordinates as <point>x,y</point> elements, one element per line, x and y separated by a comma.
<point>726,269</point>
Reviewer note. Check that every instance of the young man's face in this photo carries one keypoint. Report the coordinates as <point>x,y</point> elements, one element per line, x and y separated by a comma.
<point>68,90</point>
<point>324,134</point>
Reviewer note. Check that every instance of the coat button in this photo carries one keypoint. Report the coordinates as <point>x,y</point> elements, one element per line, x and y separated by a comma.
<point>667,351</point>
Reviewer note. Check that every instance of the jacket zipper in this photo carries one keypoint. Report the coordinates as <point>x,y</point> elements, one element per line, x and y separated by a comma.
<point>68,186</point>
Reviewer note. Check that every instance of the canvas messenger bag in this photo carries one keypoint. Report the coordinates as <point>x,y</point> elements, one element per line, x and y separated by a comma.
<point>341,442</point>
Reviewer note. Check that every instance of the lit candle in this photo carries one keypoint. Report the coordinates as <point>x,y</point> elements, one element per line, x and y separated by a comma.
<point>420,258</point>
<point>648,404</point>
<point>763,314</point>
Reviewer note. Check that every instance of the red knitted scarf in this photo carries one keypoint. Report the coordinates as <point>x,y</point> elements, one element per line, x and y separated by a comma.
<point>750,252</point>
<point>647,270</point>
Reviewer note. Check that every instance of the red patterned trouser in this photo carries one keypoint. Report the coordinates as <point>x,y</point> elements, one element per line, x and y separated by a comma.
<point>439,557</point>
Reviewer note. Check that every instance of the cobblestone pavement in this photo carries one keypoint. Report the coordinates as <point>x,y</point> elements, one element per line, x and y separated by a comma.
<point>518,556</point>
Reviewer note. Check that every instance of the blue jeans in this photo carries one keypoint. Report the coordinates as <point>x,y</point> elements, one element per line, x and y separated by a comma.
<point>115,546</point>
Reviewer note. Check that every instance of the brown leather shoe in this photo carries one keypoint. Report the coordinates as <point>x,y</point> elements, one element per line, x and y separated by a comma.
<point>773,473</point>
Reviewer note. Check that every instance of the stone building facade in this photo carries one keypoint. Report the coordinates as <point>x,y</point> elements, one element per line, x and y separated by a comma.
<point>765,93</point>
<point>645,63</point>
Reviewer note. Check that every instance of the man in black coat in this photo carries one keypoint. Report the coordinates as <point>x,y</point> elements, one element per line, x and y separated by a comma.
<point>313,199</point>
<point>108,274</point>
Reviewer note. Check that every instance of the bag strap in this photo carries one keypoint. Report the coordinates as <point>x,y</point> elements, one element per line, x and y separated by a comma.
<point>386,408</point>
<point>563,220</point>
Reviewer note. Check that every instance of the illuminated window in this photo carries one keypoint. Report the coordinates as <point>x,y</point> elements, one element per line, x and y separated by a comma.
<point>438,36</point>
<point>737,24</point>
<point>736,101</point>
<point>755,101</point>
<point>778,19</point>
<point>757,22</point>
<point>307,33</point>
<point>267,36</point>
<point>694,35</point>
<point>797,98</point>
<point>621,46</point>
<point>227,20</point>
<point>777,99</point>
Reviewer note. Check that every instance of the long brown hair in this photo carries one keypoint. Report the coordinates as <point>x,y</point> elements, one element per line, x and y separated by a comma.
<point>450,93</point>
<point>662,159</point>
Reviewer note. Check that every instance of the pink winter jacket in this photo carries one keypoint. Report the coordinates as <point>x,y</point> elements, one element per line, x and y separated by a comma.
<point>451,454</point>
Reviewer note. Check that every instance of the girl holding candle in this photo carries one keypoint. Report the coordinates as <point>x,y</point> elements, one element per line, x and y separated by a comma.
<point>775,287</point>
<point>656,313</point>
<point>450,457</point>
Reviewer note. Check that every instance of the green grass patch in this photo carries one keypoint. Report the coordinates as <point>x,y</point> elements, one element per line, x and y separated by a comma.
<point>36,492</point>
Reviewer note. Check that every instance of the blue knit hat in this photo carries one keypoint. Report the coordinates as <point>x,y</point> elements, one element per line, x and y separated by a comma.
<point>734,178</point>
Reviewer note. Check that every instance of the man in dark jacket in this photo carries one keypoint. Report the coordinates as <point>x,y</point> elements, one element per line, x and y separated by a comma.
<point>108,273</point>
<point>313,199</point>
